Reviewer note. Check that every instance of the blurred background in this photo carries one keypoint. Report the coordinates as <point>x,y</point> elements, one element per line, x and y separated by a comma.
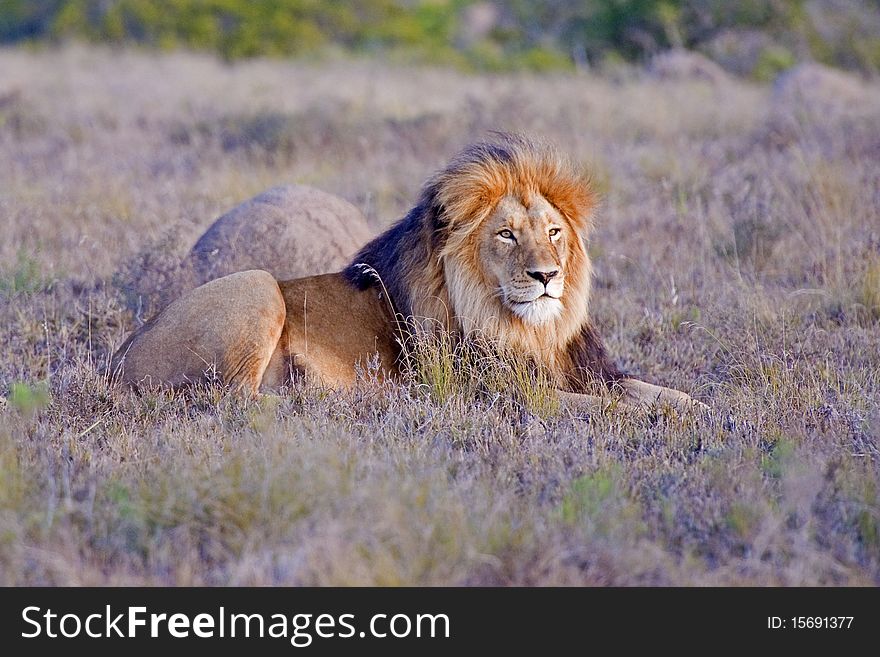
<point>753,38</point>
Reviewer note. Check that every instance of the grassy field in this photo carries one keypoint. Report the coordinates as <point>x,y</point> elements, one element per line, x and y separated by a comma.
<point>737,258</point>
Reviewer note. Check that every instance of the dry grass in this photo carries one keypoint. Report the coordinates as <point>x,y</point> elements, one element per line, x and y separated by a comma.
<point>738,258</point>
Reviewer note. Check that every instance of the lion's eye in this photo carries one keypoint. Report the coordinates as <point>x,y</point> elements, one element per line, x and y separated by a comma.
<point>506,234</point>
<point>554,232</point>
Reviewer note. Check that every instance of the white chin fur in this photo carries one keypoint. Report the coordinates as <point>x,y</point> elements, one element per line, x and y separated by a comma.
<point>539,311</point>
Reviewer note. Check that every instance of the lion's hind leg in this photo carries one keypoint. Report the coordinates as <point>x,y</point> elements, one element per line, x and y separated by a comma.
<point>223,331</point>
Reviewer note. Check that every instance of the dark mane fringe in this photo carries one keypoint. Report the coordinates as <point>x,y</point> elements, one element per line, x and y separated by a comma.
<point>404,247</point>
<point>589,362</point>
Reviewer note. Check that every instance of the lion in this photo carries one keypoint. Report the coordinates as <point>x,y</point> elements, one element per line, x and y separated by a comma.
<point>495,246</point>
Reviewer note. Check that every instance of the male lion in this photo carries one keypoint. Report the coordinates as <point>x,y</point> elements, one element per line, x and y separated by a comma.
<point>495,245</point>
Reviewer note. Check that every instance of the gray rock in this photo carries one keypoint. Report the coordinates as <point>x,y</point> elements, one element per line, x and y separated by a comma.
<point>738,51</point>
<point>290,231</point>
<point>681,64</point>
<point>819,89</point>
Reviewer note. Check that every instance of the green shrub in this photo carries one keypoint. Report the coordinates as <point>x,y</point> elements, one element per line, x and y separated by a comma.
<point>28,399</point>
<point>771,62</point>
<point>25,276</point>
<point>524,35</point>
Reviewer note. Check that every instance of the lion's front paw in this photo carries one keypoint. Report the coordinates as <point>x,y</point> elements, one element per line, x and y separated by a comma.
<point>648,394</point>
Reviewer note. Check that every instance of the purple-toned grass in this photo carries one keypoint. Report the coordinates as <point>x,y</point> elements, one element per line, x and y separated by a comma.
<point>737,258</point>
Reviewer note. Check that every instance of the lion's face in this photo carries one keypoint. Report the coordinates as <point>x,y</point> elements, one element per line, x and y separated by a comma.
<point>525,246</point>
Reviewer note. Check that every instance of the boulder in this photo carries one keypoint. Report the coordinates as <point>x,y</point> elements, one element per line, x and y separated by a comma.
<point>290,231</point>
<point>818,89</point>
<point>679,64</point>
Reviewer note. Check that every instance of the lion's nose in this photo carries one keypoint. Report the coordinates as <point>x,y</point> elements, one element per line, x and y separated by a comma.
<point>543,276</point>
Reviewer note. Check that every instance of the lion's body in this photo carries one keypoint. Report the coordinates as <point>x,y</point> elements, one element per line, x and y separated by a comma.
<point>331,331</point>
<point>252,333</point>
<point>496,246</point>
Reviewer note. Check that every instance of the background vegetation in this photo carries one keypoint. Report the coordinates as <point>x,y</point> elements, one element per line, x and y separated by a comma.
<point>751,37</point>
<point>737,257</point>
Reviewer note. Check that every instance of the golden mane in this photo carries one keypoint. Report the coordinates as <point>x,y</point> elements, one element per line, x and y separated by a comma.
<point>474,181</point>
